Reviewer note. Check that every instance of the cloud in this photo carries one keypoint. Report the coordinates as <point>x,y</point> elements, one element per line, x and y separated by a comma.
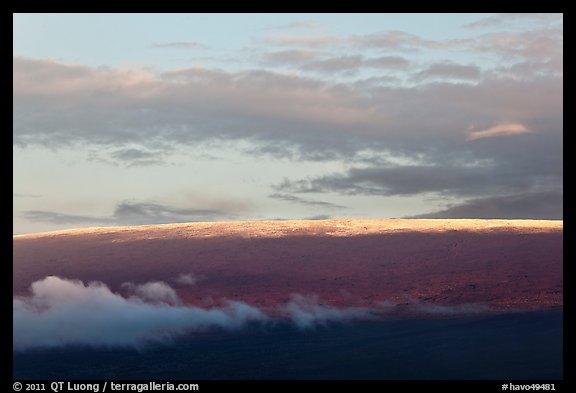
<point>132,213</point>
<point>189,279</point>
<point>137,157</point>
<point>291,56</point>
<point>412,180</point>
<point>180,45</point>
<point>304,201</point>
<point>392,62</point>
<point>307,312</point>
<point>297,25</point>
<point>62,218</point>
<point>116,108</point>
<point>153,292</point>
<point>63,312</point>
<point>534,37</point>
<point>315,118</point>
<point>322,62</point>
<point>335,64</point>
<point>299,118</point>
<point>354,63</point>
<point>508,19</point>
<point>546,205</point>
<point>503,129</point>
<point>319,217</point>
<point>394,40</point>
<point>535,45</point>
<point>153,213</point>
<point>303,40</point>
<point>450,71</point>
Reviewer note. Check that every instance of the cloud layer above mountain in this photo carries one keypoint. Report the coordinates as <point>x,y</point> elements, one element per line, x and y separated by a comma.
<point>476,113</point>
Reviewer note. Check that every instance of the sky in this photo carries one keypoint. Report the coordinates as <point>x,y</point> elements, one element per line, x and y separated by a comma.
<point>131,119</point>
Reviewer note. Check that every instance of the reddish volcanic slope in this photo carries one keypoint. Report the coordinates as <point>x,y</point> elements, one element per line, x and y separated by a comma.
<point>505,264</point>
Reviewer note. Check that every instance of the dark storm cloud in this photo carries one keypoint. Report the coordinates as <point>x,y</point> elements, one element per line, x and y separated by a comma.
<point>532,205</point>
<point>304,201</point>
<point>132,213</point>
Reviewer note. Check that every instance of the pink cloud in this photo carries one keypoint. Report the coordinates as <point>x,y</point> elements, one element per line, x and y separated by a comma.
<point>502,129</point>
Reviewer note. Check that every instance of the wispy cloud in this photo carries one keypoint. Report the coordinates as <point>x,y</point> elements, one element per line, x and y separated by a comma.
<point>304,201</point>
<point>396,40</point>
<point>297,26</point>
<point>132,157</point>
<point>546,205</point>
<point>307,312</point>
<point>503,129</point>
<point>189,279</point>
<point>304,40</point>
<point>132,213</point>
<point>416,179</point>
<point>62,312</point>
<point>180,45</point>
<point>291,57</point>
<point>450,71</point>
<point>508,19</point>
<point>323,62</point>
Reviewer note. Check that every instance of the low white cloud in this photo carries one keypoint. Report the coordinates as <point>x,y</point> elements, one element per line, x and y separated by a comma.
<point>67,312</point>
<point>189,279</point>
<point>308,312</point>
<point>499,130</point>
<point>61,312</point>
<point>154,292</point>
